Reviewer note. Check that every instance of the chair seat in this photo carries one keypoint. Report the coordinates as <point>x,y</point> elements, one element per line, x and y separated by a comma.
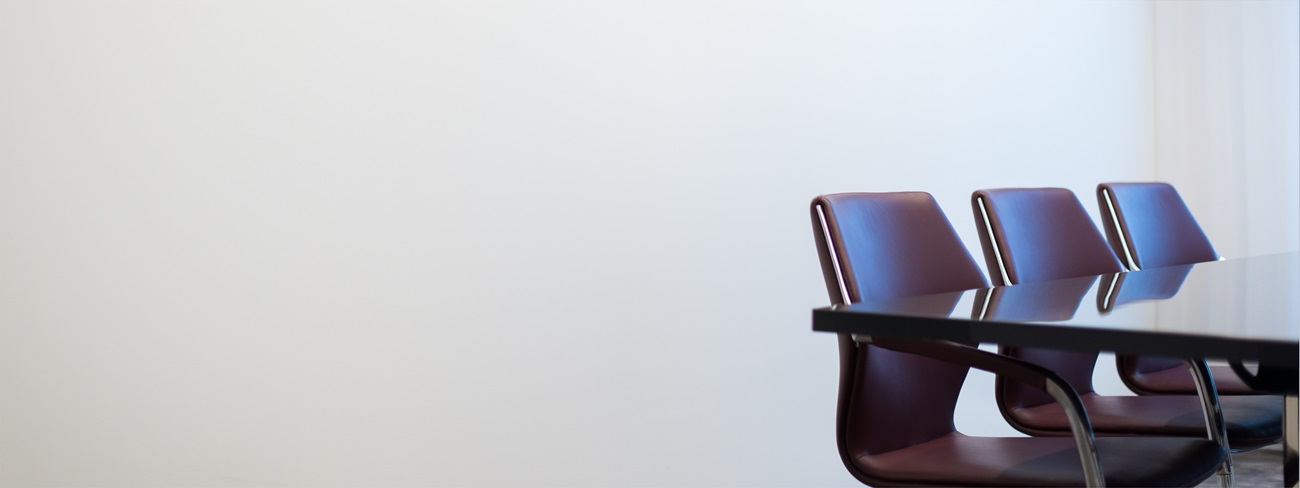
<point>1252,421</point>
<point>959,460</point>
<point>1178,380</point>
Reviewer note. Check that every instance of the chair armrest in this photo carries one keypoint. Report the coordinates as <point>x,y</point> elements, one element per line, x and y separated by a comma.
<point>1215,427</point>
<point>1023,371</point>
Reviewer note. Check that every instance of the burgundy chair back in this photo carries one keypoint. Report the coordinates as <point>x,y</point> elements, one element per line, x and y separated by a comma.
<point>1040,234</point>
<point>881,245</point>
<point>1149,226</point>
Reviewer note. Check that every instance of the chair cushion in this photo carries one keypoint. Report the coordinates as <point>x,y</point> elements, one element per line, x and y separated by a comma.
<point>1252,421</point>
<point>1179,380</point>
<point>959,460</point>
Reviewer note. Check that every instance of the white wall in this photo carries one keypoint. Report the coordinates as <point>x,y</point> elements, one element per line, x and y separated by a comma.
<point>492,243</point>
<point>1227,118</point>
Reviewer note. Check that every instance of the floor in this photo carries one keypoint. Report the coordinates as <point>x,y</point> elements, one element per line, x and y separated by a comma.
<point>1258,468</point>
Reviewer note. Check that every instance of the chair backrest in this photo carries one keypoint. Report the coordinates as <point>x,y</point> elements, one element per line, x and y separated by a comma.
<point>1040,234</point>
<point>880,245</point>
<point>1149,226</point>
<point>889,245</point>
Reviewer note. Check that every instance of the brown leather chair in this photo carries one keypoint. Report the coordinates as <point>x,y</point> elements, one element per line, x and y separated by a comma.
<point>1041,234</point>
<point>1149,226</point>
<point>894,422</point>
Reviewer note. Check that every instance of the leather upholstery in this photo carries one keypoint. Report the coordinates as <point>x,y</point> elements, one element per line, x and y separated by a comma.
<point>1249,418</point>
<point>1156,224</point>
<point>877,226</point>
<point>958,460</point>
<point>1159,233</point>
<point>894,418</point>
<point>1160,376</point>
<point>1045,234</point>
<point>1058,301</point>
<point>881,226</point>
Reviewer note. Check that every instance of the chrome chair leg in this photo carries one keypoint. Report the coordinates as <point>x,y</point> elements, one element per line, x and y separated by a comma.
<point>1214,425</point>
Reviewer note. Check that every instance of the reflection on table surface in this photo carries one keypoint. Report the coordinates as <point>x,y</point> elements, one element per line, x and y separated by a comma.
<point>1251,298</point>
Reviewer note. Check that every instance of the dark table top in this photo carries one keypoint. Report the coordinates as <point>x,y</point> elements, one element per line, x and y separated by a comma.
<point>1244,309</point>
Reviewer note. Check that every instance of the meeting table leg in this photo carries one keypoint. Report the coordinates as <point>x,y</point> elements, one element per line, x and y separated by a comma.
<point>1290,425</point>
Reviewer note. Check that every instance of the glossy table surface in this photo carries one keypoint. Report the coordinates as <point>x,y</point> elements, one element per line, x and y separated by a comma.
<point>1244,309</point>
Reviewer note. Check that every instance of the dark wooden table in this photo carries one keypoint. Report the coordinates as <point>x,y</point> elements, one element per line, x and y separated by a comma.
<point>1245,309</point>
